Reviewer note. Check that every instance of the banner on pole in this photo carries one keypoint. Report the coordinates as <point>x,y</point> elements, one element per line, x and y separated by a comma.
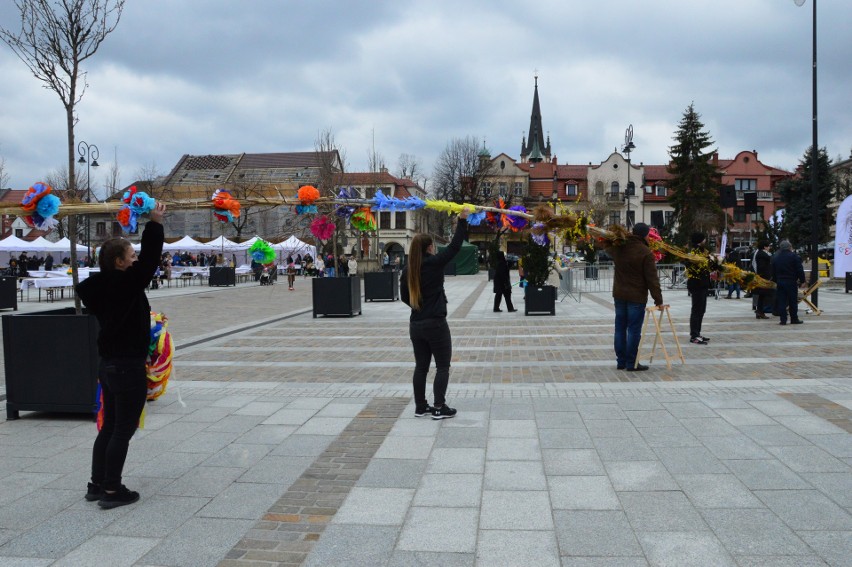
<point>843,239</point>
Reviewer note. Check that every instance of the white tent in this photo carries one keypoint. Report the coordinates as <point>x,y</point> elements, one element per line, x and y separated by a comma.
<point>14,244</point>
<point>295,246</point>
<point>218,244</point>
<point>248,243</point>
<point>187,243</point>
<point>42,244</point>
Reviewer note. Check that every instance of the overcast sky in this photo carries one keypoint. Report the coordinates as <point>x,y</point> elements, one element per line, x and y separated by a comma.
<point>226,76</point>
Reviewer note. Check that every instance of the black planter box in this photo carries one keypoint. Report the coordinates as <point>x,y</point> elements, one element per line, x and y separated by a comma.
<point>848,282</point>
<point>337,296</point>
<point>222,276</point>
<point>8,292</point>
<point>540,300</point>
<point>51,360</point>
<point>381,285</point>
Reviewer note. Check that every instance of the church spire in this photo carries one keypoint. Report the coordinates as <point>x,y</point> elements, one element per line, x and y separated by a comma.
<point>535,150</point>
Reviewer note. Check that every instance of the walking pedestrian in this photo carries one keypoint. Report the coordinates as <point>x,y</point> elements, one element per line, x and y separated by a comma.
<point>502,284</point>
<point>698,285</point>
<point>787,273</point>
<point>422,289</point>
<point>762,265</point>
<point>116,296</point>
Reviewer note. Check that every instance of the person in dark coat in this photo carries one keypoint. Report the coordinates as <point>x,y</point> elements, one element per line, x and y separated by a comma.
<point>788,274</point>
<point>762,266</point>
<point>422,289</point>
<point>116,296</point>
<point>698,284</point>
<point>48,262</point>
<point>502,284</point>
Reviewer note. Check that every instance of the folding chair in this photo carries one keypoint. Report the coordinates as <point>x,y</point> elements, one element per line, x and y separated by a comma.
<point>804,297</point>
<point>658,336</point>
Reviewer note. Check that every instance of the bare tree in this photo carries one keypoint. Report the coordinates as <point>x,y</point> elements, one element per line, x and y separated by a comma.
<point>55,38</point>
<point>58,179</point>
<point>408,167</point>
<point>459,173</point>
<point>112,184</point>
<point>331,159</point>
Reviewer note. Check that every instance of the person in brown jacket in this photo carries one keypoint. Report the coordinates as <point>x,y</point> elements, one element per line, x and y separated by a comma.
<point>635,277</point>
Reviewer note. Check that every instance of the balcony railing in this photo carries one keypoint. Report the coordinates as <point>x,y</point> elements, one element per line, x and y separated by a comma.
<point>611,197</point>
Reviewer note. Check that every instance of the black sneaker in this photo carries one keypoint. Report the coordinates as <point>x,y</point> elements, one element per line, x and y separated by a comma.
<point>443,412</point>
<point>121,497</point>
<point>637,368</point>
<point>703,338</point>
<point>697,341</point>
<point>94,492</point>
<point>424,410</point>
<point>797,322</point>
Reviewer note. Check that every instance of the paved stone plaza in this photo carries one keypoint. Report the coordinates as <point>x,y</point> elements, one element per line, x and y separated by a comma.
<point>289,440</point>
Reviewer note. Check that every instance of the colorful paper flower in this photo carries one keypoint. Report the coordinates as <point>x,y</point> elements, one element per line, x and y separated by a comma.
<point>42,206</point>
<point>308,194</point>
<point>262,252</point>
<point>225,207</point>
<point>363,220</point>
<point>322,228</point>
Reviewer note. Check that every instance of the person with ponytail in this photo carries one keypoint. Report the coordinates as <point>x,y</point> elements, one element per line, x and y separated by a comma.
<point>116,296</point>
<point>422,289</point>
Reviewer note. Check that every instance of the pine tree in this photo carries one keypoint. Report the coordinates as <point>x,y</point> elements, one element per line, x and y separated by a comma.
<point>797,194</point>
<point>694,189</point>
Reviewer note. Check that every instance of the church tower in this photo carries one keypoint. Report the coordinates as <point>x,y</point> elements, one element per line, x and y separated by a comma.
<point>533,148</point>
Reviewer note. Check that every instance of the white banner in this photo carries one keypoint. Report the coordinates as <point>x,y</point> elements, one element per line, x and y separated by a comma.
<point>724,245</point>
<point>843,239</point>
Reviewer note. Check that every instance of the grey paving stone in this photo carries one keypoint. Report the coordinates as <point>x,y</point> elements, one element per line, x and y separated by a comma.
<point>205,442</point>
<point>155,517</point>
<point>168,465</point>
<point>514,475</point>
<point>639,403</point>
<point>773,435</point>
<point>652,418</point>
<point>833,546</point>
<point>806,509</point>
<point>515,510</point>
<point>238,424</point>
<point>737,417</point>
<point>393,473</point>
<point>233,400</point>
<point>375,506</point>
<point>808,425</point>
<point>35,507</point>
<point>778,407</point>
<point>607,411</point>
<point>500,449</point>
<point>518,410</point>
<point>766,475</point>
<point>449,490</point>
<point>338,409</point>
<point>559,420</point>
<point>565,439</point>
<point>24,562</point>
<point>709,427</point>
<point>689,460</point>
<point>839,445</point>
<point>242,500</point>
<point>684,549</point>
<point>629,449</point>
<point>206,415</point>
<point>452,460</point>
<point>421,558</point>
<point>324,426</point>
<point>266,434</point>
<point>200,542</point>
<point>668,437</point>
<point>405,448</point>
<point>513,429</point>
<point>639,476</point>
<point>243,455</point>
<point>454,530</point>
<point>297,445</point>
<point>808,459</point>
<point>582,493</point>
<point>313,403</point>
<point>456,437</point>
<point>661,512</point>
<point>517,547</point>
<point>728,401</point>
<point>416,428</point>
<point>781,561</point>
<point>205,482</point>
<point>754,532</point>
<point>18,484</point>
<point>468,419</point>
<point>587,533</point>
<point>290,416</point>
<point>604,562</point>
<point>546,405</point>
<point>118,551</point>
<point>837,486</point>
<point>564,462</point>
<point>717,491</point>
<point>689,410</point>
<point>735,447</point>
<point>58,535</point>
<point>259,408</point>
<point>357,545</point>
<point>276,469</point>
<point>611,428</point>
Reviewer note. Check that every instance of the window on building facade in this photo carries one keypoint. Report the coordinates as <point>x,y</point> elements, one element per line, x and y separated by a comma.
<point>399,221</point>
<point>631,218</point>
<point>116,229</point>
<point>614,188</point>
<point>661,190</point>
<point>743,185</point>
<point>19,232</point>
<point>764,194</point>
<point>669,217</point>
<point>503,188</point>
<point>571,189</point>
<point>384,220</point>
<point>599,188</point>
<point>741,216</point>
<point>519,189</point>
<point>100,229</point>
<point>614,217</point>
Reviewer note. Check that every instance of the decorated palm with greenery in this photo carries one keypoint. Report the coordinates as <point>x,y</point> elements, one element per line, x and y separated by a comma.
<point>536,263</point>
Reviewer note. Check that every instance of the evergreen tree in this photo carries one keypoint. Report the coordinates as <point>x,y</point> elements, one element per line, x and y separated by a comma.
<point>797,194</point>
<point>694,189</point>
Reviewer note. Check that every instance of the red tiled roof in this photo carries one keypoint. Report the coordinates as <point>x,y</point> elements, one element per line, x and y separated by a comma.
<point>656,172</point>
<point>13,196</point>
<point>366,178</point>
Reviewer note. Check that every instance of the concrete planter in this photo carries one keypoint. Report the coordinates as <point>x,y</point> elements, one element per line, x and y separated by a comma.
<point>337,296</point>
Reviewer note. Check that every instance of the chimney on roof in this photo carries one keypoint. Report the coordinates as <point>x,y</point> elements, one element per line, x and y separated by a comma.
<point>383,169</point>
<point>715,158</point>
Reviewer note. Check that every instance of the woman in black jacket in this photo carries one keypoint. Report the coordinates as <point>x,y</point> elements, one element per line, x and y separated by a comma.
<point>698,284</point>
<point>762,265</point>
<point>502,284</point>
<point>422,289</point>
<point>116,296</point>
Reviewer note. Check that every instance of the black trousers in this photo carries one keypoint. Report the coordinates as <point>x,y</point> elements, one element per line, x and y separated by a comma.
<point>431,338</point>
<point>124,387</point>
<point>498,296</point>
<point>696,315</point>
<point>787,297</point>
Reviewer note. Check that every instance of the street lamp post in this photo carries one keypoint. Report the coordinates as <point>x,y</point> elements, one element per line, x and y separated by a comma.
<point>554,198</point>
<point>814,156</point>
<point>629,190</point>
<point>89,155</point>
